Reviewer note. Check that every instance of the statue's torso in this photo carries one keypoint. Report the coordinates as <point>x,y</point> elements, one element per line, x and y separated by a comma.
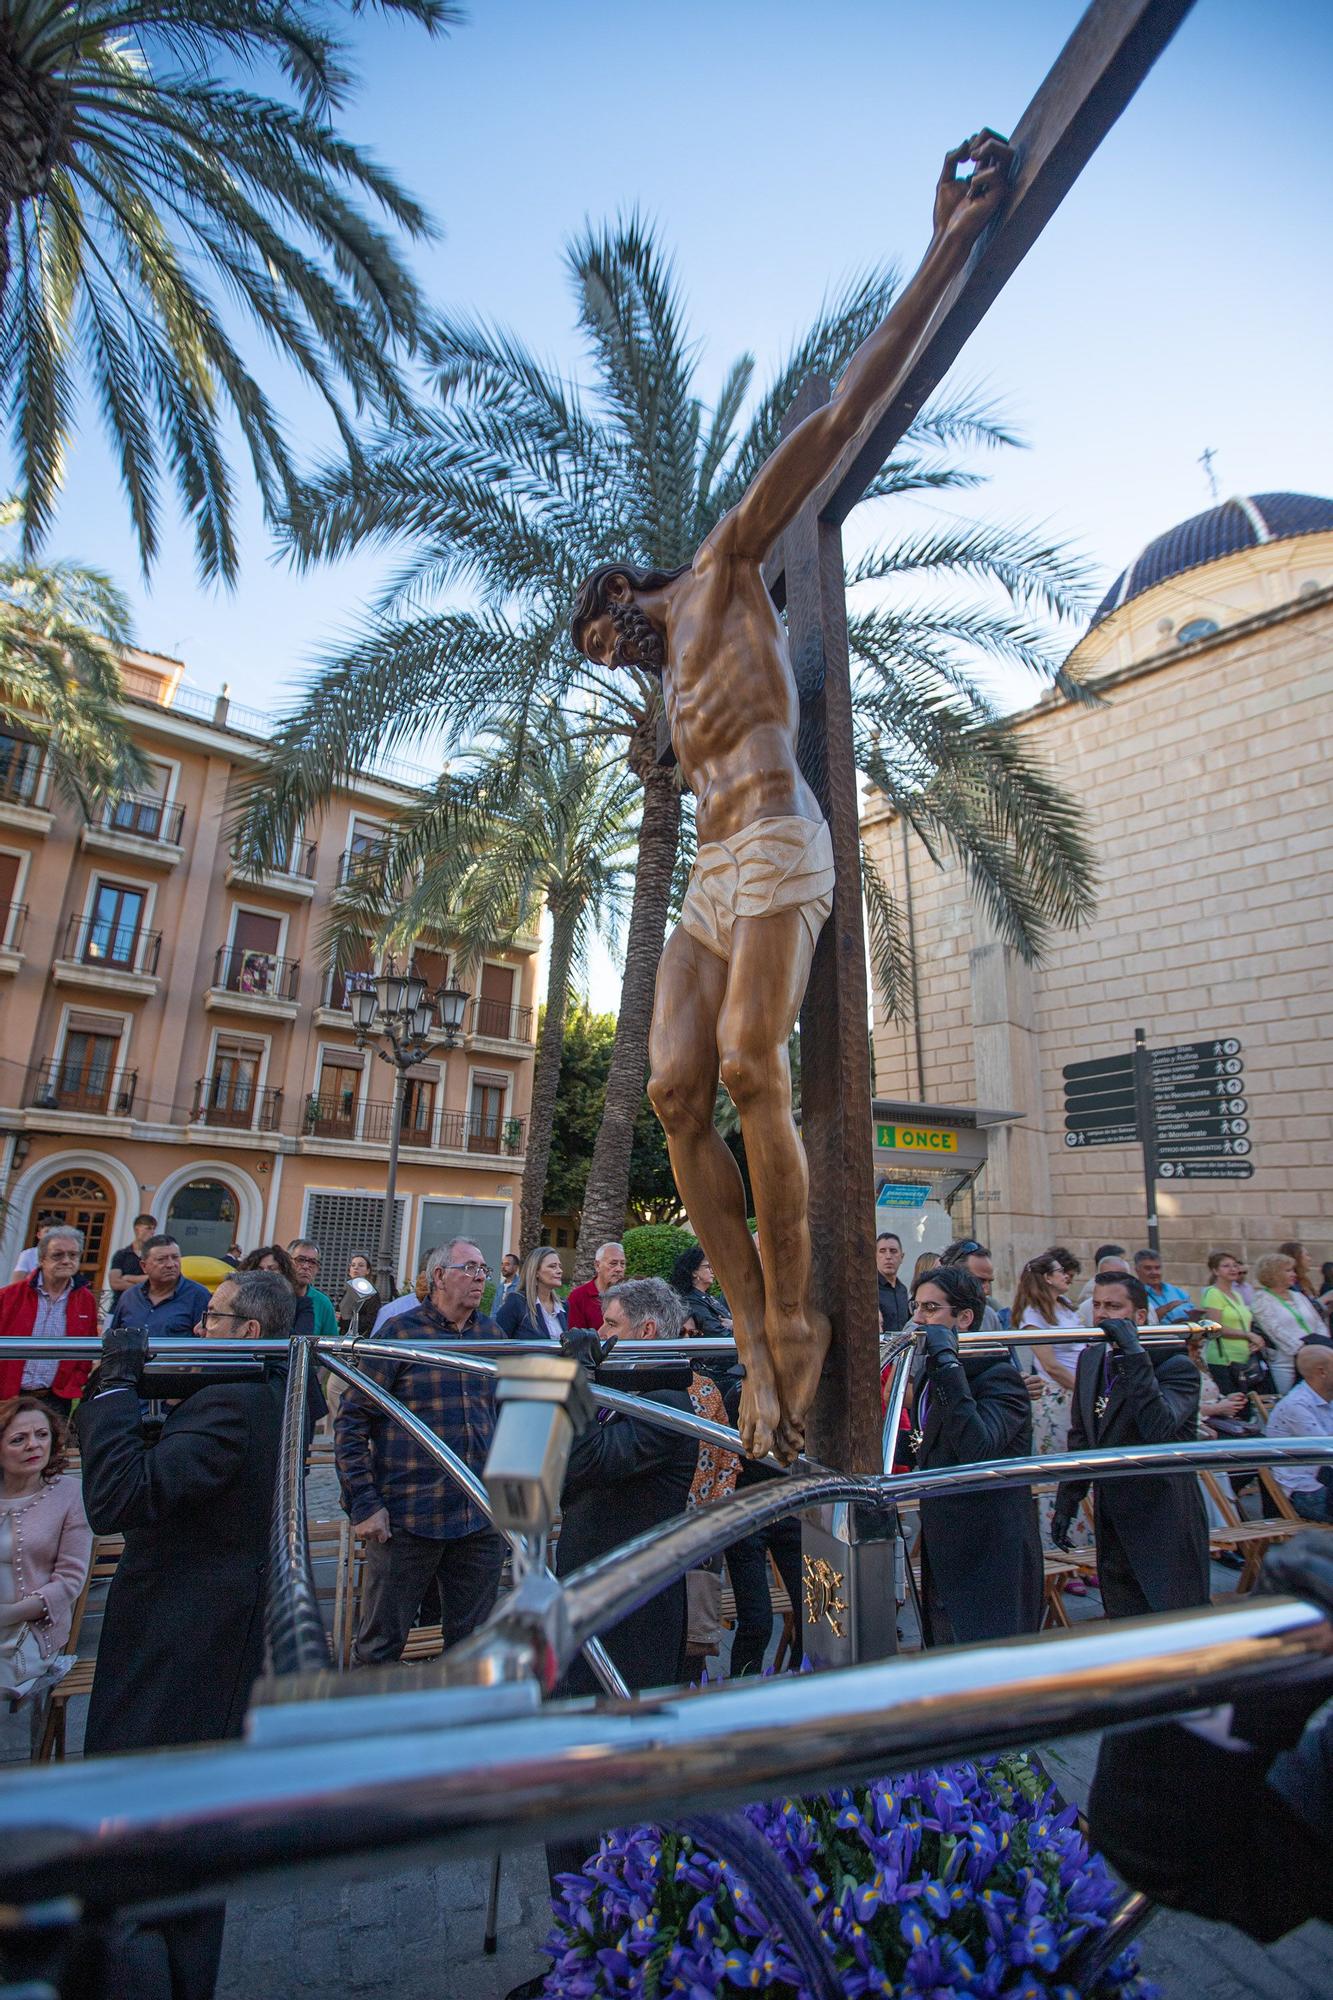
<point>731,699</point>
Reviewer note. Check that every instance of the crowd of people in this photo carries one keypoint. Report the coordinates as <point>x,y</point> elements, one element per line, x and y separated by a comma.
<point>189,1484</point>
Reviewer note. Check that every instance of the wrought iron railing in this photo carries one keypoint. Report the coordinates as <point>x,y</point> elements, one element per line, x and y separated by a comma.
<point>145,817</point>
<point>59,1084</point>
<point>20,773</point>
<point>237,1103</point>
<point>260,975</point>
<point>13,918</point>
<point>359,864</point>
<point>111,947</point>
<point>501,1022</point>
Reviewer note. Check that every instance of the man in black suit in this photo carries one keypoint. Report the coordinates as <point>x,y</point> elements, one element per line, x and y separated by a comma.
<point>624,1476</point>
<point>981,1569</point>
<point>183,1633</point>
<point>1152,1533</point>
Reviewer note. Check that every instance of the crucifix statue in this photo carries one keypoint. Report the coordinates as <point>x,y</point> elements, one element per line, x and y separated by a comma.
<point>734,973</point>
<point>726,1000</point>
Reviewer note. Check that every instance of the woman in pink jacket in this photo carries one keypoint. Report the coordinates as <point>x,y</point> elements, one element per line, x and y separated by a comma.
<point>45,1543</point>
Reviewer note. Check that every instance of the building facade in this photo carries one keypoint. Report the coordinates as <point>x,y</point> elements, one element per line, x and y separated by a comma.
<point>1205,781</point>
<point>175,1040</point>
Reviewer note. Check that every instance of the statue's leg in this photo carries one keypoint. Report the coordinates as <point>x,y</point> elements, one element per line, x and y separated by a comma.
<point>683,1053</point>
<point>766,981</point>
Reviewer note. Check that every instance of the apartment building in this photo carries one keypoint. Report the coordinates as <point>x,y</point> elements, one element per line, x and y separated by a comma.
<point>175,1040</point>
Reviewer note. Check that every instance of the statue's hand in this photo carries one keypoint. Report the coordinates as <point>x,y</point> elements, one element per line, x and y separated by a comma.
<point>963,208</point>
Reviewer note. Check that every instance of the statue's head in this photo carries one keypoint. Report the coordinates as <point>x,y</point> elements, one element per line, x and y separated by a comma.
<point>609,623</point>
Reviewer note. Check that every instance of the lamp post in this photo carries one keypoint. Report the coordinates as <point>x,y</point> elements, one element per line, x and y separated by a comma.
<point>399,1009</point>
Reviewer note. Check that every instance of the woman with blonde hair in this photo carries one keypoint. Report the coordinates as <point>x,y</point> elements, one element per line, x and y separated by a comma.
<point>1284,1315</point>
<point>45,1545</point>
<point>533,1310</point>
<point>1042,1301</point>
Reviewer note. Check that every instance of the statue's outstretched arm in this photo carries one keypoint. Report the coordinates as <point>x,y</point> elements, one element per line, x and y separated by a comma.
<point>798,467</point>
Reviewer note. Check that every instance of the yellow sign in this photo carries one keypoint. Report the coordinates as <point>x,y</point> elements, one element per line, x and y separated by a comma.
<point>915,1139</point>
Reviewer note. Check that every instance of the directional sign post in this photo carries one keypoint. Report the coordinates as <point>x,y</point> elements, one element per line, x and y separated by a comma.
<point>1185,1106</point>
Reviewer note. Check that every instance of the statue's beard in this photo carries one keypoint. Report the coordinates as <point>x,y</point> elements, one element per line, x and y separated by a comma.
<point>638,641</point>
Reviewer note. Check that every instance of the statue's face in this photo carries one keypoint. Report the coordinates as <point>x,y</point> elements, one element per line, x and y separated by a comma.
<point>623,635</point>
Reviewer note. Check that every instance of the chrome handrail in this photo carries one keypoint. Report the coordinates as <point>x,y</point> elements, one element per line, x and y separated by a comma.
<point>187,1823</point>
<point>294,1629</point>
<point>605,1591</point>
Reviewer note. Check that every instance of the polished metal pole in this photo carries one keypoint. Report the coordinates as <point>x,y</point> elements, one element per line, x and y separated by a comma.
<point>297,1641</point>
<point>385,1275</point>
<point>117,1832</point>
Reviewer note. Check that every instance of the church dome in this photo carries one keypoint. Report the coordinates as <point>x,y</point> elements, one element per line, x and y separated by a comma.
<point>1242,523</point>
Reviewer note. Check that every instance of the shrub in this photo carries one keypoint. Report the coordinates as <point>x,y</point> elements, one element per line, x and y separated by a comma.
<point>652,1249</point>
<point>972,1880</point>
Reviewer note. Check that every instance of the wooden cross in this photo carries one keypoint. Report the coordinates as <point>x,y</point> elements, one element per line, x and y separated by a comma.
<point>1094,77</point>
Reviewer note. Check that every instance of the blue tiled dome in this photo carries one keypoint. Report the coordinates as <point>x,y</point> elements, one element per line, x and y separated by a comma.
<point>1222,531</point>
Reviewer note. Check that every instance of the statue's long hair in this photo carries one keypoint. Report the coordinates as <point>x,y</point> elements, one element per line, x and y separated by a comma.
<point>591,600</point>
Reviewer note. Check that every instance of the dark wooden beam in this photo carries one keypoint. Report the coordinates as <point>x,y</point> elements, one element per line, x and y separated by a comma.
<point>1094,77</point>
<point>844,1428</point>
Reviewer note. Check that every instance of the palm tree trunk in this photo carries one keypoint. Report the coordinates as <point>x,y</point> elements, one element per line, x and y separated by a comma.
<point>607,1192</point>
<point>546,1078</point>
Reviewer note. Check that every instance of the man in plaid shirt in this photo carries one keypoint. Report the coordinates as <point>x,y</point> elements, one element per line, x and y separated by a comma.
<point>416,1522</point>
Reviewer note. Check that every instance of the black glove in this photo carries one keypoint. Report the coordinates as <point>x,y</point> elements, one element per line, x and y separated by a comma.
<point>583,1344</point>
<point>124,1354</point>
<point>1123,1335</point>
<point>940,1343</point>
<point>1062,1522</point>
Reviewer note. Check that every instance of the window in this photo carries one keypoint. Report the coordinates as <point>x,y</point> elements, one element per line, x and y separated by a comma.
<point>1197,628</point>
<point>142,812</point>
<point>202,1218</point>
<point>336,1100</point>
<point>483,1223</point>
<point>486,1123</point>
<point>84,1202</point>
<point>85,1070</point>
<point>359,968</point>
<point>112,936</point>
<point>252,963</point>
<point>418,1110</point>
<point>20,767</point>
<point>233,1088</point>
<point>343,1224</point>
<point>495,1008</point>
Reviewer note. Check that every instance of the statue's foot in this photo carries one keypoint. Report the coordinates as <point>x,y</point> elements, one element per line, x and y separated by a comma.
<point>789,1442</point>
<point>799,1346</point>
<point>760,1412</point>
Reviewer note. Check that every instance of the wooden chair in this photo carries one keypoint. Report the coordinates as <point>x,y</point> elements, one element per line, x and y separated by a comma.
<point>107,1551</point>
<point>1280,1498</point>
<point>328,1544</point>
<point>1248,1539</point>
<point>424,1642</point>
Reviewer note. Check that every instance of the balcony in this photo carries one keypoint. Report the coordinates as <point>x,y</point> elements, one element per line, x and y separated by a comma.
<point>108,958</point>
<point>343,1117</point>
<point>13,917</point>
<point>358,864</point>
<point>246,981</point>
<point>334,1010</point>
<point>236,1103</point>
<point>496,1021</point>
<point>289,874</point>
<point>137,823</point>
<point>57,1083</point>
<point>23,786</point>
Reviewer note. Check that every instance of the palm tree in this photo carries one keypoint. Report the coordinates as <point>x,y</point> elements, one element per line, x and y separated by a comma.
<point>549,823</point>
<point>518,483</point>
<point>62,630</point>
<point>140,185</point>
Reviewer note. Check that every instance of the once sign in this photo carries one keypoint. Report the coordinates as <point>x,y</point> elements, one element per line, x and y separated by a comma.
<point>915,1139</point>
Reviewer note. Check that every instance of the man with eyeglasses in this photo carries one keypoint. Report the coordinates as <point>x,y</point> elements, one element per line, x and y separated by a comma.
<point>418,1525</point>
<point>974,1258</point>
<point>55,1302</point>
<point>314,1308</point>
<point>981,1563</point>
<point>183,1630</point>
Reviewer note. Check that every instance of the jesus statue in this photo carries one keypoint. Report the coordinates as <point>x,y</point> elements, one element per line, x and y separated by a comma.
<point>734,973</point>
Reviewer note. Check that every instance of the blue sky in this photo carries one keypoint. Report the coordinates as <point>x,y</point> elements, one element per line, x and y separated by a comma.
<point>1180,299</point>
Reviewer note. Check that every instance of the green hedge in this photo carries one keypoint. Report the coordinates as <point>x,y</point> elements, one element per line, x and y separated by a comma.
<point>652,1249</point>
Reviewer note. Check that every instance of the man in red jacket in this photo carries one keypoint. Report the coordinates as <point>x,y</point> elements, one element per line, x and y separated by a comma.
<point>584,1304</point>
<point>56,1302</point>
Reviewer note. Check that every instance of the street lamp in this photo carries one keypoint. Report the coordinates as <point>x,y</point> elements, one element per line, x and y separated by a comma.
<point>399,1008</point>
